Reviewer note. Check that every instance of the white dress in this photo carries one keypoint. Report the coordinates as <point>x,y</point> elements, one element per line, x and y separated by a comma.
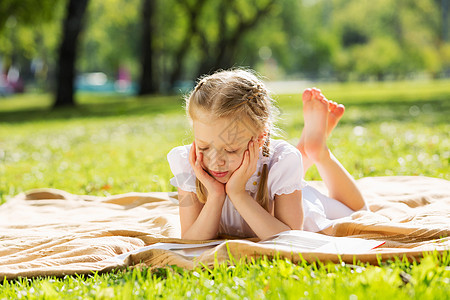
<point>285,176</point>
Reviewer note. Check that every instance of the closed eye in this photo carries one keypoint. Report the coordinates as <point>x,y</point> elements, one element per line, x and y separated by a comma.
<point>204,149</point>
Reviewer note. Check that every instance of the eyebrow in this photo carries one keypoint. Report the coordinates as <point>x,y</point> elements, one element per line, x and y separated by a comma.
<point>232,144</point>
<point>202,141</point>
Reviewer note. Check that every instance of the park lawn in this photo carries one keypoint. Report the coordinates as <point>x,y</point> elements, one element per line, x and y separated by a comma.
<point>111,144</point>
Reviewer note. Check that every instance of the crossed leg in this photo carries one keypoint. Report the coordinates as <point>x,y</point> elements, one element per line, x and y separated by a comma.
<point>320,118</point>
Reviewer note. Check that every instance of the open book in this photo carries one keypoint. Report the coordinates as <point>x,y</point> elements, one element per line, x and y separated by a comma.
<point>296,241</point>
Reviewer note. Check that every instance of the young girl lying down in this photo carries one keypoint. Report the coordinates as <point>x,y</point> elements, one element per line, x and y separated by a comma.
<point>235,180</point>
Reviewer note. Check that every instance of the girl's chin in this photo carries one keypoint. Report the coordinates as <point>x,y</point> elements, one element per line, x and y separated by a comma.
<point>223,179</point>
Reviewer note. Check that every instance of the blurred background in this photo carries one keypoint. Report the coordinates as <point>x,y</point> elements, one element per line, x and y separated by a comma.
<point>161,46</point>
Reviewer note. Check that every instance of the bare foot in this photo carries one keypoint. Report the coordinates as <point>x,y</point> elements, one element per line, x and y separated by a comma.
<point>315,115</point>
<point>324,116</point>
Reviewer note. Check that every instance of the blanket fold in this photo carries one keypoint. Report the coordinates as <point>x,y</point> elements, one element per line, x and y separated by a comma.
<point>49,232</point>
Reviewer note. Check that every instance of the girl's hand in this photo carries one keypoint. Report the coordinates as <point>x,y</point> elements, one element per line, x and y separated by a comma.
<point>236,183</point>
<point>214,187</point>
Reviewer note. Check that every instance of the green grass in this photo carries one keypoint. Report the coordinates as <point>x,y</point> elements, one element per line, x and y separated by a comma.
<point>110,145</point>
<point>261,278</point>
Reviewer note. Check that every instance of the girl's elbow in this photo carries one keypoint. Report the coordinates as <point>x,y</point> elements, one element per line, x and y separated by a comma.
<point>297,226</point>
<point>187,236</point>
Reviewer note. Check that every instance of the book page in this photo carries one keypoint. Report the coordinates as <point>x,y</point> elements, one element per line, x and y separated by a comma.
<point>298,240</point>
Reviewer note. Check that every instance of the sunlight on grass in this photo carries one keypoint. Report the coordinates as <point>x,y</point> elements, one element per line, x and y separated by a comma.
<point>255,278</point>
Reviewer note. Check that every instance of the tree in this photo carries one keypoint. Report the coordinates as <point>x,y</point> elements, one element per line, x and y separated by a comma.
<point>220,53</point>
<point>27,12</point>
<point>72,27</point>
<point>192,30</point>
<point>164,42</point>
<point>111,39</point>
<point>147,81</point>
<point>27,32</point>
<point>203,36</point>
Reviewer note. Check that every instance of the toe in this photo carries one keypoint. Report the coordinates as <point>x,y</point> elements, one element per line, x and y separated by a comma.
<point>339,110</point>
<point>317,94</point>
<point>332,105</point>
<point>316,90</point>
<point>307,94</point>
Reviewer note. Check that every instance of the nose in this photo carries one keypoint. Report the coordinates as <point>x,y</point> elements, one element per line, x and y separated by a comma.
<point>218,159</point>
<point>221,161</point>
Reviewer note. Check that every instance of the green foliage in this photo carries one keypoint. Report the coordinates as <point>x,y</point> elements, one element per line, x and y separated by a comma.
<point>26,12</point>
<point>347,40</point>
<point>111,37</point>
<point>30,30</point>
<point>384,37</point>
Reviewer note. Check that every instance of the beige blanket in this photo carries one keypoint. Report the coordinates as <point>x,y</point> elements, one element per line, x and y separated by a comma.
<point>52,232</point>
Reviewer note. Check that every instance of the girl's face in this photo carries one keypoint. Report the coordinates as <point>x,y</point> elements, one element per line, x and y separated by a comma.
<point>223,142</point>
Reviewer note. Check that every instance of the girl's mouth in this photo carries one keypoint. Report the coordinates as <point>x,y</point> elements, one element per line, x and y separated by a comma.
<point>221,174</point>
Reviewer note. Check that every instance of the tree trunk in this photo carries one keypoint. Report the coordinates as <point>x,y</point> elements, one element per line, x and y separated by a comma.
<point>73,25</point>
<point>148,83</point>
<point>225,48</point>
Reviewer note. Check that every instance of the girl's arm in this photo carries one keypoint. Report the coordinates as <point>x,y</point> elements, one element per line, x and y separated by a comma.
<point>199,221</point>
<point>288,213</point>
<point>288,207</point>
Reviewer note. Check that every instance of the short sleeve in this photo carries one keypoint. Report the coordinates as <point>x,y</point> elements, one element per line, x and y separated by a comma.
<point>286,173</point>
<point>184,176</point>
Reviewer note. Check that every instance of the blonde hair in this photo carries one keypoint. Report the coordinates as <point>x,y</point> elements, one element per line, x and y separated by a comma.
<point>236,93</point>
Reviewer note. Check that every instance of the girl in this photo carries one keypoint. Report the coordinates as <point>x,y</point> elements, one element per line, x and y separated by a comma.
<point>235,180</point>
